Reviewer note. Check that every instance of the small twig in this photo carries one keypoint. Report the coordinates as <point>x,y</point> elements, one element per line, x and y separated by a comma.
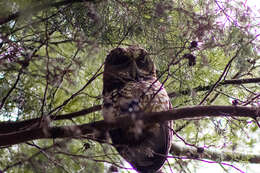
<point>48,156</point>
<point>34,155</point>
<point>250,101</point>
<point>12,89</point>
<point>220,78</point>
<point>225,70</point>
<point>75,94</point>
<point>47,68</point>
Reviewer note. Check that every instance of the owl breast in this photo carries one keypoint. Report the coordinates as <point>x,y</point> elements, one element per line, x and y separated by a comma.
<point>145,96</point>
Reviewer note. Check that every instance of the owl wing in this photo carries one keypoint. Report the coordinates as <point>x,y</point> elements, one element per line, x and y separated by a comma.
<point>145,147</point>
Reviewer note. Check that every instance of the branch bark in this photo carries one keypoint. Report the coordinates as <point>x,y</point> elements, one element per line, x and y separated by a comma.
<point>98,128</point>
<point>194,153</point>
<point>225,82</point>
<point>8,127</point>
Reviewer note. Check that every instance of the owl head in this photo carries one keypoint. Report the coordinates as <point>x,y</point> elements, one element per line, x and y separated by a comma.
<point>124,65</point>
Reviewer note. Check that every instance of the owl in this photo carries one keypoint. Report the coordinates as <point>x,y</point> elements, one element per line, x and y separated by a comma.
<point>130,86</point>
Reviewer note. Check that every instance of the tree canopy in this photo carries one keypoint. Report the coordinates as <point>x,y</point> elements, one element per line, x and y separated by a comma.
<point>51,62</point>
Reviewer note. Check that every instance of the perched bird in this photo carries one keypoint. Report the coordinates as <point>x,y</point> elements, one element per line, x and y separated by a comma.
<point>130,86</point>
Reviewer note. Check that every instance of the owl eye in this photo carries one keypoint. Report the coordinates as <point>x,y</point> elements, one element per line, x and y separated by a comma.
<point>141,62</point>
<point>118,59</point>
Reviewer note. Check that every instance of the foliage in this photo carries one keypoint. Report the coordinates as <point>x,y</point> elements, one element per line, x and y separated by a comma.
<point>51,50</point>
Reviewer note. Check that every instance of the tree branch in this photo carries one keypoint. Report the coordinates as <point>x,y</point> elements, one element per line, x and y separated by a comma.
<point>11,90</point>
<point>20,162</point>
<point>225,82</point>
<point>98,128</point>
<point>79,91</point>
<point>224,73</point>
<point>37,9</point>
<point>184,150</point>
<point>8,127</point>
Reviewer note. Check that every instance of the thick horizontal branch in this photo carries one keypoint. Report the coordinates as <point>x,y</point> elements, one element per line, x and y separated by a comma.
<point>220,156</point>
<point>99,127</point>
<point>8,127</point>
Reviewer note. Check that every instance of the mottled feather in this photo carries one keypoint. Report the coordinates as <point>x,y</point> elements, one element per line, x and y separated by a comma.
<point>144,146</point>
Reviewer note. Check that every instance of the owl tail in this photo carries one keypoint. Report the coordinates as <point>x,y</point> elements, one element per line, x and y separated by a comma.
<point>148,155</point>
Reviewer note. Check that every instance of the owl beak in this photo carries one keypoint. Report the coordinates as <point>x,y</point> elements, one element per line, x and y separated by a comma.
<point>135,73</point>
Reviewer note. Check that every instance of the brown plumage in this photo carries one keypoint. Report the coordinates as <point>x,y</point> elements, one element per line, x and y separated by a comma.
<point>129,86</point>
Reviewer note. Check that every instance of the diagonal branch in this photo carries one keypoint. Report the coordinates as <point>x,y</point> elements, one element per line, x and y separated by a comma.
<point>11,90</point>
<point>224,73</point>
<point>79,91</point>
<point>226,70</point>
<point>20,162</point>
<point>98,128</point>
